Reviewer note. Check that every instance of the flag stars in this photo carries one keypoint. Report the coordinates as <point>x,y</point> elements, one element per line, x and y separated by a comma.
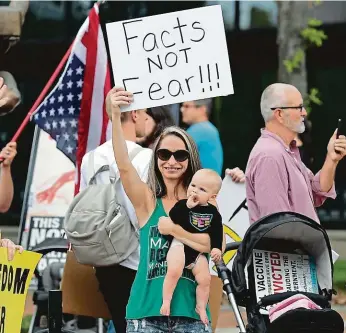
<point>69,149</point>
<point>73,123</point>
<point>75,136</point>
<point>61,111</point>
<point>80,83</point>
<point>80,96</point>
<point>52,100</point>
<point>52,112</point>
<point>66,136</point>
<point>62,123</point>
<point>44,113</point>
<point>54,124</point>
<point>69,72</point>
<point>79,70</point>
<point>36,116</point>
<point>47,125</point>
<point>69,84</point>
<point>70,97</point>
<point>60,98</point>
<point>71,110</point>
<point>61,86</point>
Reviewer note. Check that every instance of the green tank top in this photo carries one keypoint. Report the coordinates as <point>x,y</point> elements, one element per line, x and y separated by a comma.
<point>146,293</point>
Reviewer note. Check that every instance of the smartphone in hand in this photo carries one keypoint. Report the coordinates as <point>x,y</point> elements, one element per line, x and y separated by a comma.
<point>338,132</point>
<point>338,128</point>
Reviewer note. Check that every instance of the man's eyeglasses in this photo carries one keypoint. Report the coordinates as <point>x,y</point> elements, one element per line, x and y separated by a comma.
<point>300,108</point>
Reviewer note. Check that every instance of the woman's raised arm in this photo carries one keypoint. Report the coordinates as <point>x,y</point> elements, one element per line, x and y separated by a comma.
<point>137,191</point>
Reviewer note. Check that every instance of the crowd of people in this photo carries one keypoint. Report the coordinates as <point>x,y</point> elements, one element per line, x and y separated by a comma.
<point>172,182</point>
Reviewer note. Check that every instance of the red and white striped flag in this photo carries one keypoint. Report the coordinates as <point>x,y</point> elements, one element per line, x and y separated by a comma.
<point>73,113</point>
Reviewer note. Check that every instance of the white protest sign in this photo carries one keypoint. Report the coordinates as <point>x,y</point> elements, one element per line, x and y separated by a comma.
<point>171,58</point>
<point>281,272</point>
<point>231,201</point>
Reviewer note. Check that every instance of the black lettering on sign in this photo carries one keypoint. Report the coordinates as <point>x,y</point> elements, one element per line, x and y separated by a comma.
<point>242,205</point>
<point>7,277</point>
<point>153,41</point>
<point>197,28</point>
<point>166,46</point>
<point>158,64</point>
<point>20,280</point>
<point>151,91</point>
<point>179,26</point>
<point>187,82</point>
<point>180,90</point>
<point>129,89</point>
<point>129,38</point>
<point>186,57</point>
<point>2,319</point>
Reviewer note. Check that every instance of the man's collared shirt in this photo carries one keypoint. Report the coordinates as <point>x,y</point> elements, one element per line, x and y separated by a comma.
<point>277,180</point>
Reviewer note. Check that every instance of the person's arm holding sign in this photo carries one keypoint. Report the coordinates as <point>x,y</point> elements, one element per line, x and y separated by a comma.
<point>137,191</point>
<point>236,174</point>
<point>11,248</point>
<point>6,184</point>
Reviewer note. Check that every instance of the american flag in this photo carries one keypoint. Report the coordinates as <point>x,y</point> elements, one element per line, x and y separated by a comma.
<point>73,113</point>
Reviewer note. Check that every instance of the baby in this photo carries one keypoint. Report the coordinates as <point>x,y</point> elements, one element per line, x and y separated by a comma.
<point>195,215</point>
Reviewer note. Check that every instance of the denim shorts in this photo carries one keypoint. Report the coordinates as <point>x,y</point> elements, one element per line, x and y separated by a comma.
<point>166,325</point>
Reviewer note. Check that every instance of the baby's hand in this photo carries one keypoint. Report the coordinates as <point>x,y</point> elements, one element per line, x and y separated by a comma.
<point>216,255</point>
<point>192,201</point>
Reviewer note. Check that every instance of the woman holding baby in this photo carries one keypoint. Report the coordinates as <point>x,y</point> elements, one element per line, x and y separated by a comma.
<point>175,161</point>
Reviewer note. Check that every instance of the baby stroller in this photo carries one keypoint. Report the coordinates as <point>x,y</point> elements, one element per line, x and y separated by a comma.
<point>48,316</point>
<point>282,255</point>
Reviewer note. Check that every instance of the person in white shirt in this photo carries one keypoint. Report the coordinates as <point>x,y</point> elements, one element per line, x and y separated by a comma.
<point>116,281</point>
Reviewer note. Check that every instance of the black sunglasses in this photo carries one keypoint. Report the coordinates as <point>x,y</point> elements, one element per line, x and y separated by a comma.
<point>179,155</point>
<point>300,107</point>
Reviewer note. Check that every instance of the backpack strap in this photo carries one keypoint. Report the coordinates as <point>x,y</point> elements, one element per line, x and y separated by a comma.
<point>114,178</point>
<point>132,156</point>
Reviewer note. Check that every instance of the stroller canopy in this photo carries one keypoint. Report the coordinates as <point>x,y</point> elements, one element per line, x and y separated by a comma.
<point>288,226</point>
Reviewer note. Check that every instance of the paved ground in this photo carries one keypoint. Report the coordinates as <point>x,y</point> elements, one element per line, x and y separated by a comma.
<point>227,322</point>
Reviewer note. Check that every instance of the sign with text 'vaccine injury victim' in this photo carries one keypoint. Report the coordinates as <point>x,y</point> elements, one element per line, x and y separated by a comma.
<point>171,58</point>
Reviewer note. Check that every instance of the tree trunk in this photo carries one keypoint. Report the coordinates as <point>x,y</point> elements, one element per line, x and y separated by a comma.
<point>292,18</point>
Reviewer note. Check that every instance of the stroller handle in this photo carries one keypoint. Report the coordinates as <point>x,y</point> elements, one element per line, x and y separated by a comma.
<point>221,267</point>
<point>232,246</point>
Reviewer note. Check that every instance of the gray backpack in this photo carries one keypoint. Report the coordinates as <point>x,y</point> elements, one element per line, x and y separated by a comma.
<point>97,226</point>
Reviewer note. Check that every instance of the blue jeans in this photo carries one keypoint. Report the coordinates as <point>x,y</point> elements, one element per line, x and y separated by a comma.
<point>111,328</point>
<point>166,325</point>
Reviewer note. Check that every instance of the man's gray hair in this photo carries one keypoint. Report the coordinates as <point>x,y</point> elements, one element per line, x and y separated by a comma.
<point>273,96</point>
<point>208,102</point>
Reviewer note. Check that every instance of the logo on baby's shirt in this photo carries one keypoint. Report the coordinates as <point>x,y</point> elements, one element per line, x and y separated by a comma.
<point>200,221</point>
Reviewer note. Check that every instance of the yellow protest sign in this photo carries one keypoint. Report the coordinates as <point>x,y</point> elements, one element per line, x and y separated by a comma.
<point>15,278</point>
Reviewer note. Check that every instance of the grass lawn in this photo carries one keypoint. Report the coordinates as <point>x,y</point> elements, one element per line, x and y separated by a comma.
<point>340,275</point>
<point>25,324</point>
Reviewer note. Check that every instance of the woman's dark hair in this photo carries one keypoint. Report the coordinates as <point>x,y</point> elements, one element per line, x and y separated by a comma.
<point>155,179</point>
<point>162,118</point>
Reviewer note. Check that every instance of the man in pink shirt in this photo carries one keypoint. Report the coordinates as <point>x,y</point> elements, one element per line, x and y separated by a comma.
<point>276,178</point>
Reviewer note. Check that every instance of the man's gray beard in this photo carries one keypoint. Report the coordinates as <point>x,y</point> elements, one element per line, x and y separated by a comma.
<point>299,129</point>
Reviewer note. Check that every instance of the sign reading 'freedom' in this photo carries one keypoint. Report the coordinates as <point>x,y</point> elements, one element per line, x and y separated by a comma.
<point>171,58</point>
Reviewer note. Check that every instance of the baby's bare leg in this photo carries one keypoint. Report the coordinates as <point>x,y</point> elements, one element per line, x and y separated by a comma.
<point>175,266</point>
<point>202,276</point>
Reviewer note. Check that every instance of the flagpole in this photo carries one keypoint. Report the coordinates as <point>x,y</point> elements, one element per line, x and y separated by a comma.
<point>42,94</point>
